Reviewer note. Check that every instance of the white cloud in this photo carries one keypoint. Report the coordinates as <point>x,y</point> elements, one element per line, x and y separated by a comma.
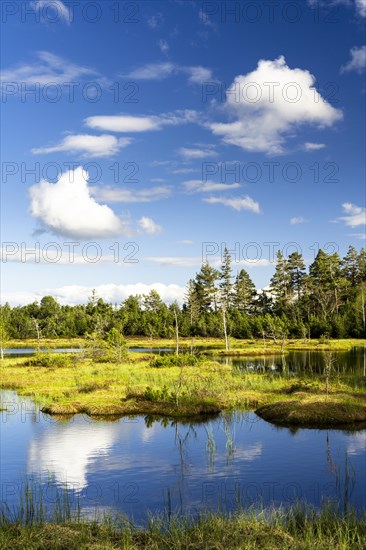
<point>196,261</point>
<point>361,7</point>
<point>296,220</point>
<point>185,170</point>
<point>127,123</point>
<point>157,71</point>
<point>310,146</point>
<point>68,452</point>
<point>53,253</point>
<point>176,261</point>
<point>149,226</point>
<point>111,293</point>
<point>153,71</point>
<point>205,20</point>
<point>357,62</point>
<point>48,68</point>
<point>197,75</point>
<point>116,194</point>
<point>52,10</point>
<point>189,153</point>
<point>240,203</point>
<point>155,21</point>
<point>199,186</point>
<point>163,45</point>
<point>67,208</point>
<point>361,236</point>
<point>355,215</point>
<point>92,146</point>
<point>270,103</point>
<point>124,123</point>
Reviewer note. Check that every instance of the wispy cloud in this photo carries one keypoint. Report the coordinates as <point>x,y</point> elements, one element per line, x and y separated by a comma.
<point>155,21</point>
<point>132,124</point>
<point>199,186</point>
<point>296,220</point>
<point>310,146</point>
<point>163,45</point>
<point>48,68</point>
<point>239,203</point>
<point>357,62</point>
<point>116,194</point>
<point>59,11</point>
<point>190,153</point>
<point>149,226</point>
<point>87,145</point>
<point>153,71</point>
<point>157,71</point>
<point>354,215</point>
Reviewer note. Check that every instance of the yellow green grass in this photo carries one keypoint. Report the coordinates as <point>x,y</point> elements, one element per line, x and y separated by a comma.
<point>134,387</point>
<point>295,529</point>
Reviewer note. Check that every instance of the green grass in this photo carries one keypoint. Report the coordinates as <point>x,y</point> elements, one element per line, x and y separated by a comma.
<point>144,385</point>
<point>30,526</point>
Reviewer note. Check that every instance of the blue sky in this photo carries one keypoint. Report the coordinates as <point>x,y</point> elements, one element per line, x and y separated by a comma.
<point>143,130</point>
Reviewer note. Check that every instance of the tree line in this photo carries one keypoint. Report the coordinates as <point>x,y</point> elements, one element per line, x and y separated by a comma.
<point>327,300</point>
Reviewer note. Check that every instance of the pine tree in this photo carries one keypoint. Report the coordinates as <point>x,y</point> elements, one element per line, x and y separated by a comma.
<point>225,284</point>
<point>350,266</point>
<point>206,290</point>
<point>296,273</point>
<point>244,292</point>
<point>280,282</point>
<point>192,302</point>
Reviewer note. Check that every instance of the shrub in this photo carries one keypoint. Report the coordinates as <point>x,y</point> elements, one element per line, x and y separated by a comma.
<point>50,360</point>
<point>171,360</point>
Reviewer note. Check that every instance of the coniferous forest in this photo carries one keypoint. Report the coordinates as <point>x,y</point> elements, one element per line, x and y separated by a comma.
<point>327,300</point>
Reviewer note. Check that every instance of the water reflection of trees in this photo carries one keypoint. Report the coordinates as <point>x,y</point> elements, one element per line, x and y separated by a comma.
<point>344,478</point>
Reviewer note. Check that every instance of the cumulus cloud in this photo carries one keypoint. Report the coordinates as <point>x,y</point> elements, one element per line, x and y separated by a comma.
<point>149,226</point>
<point>89,146</point>
<point>47,69</point>
<point>357,62</point>
<point>55,9</point>
<point>111,293</point>
<point>127,123</point>
<point>296,220</point>
<point>354,215</point>
<point>190,153</point>
<point>199,186</point>
<point>239,203</point>
<point>310,146</point>
<point>269,103</point>
<point>116,194</point>
<point>67,208</point>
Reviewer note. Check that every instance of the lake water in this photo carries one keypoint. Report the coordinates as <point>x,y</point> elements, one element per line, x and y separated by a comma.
<point>139,464</point>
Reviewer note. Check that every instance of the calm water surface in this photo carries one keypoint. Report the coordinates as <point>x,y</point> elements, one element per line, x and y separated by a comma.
<point>140,464</point>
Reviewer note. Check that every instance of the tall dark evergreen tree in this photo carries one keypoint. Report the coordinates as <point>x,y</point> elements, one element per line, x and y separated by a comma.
<point>225,284</point>
<point>280,284</point>
<point>244,292</point>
